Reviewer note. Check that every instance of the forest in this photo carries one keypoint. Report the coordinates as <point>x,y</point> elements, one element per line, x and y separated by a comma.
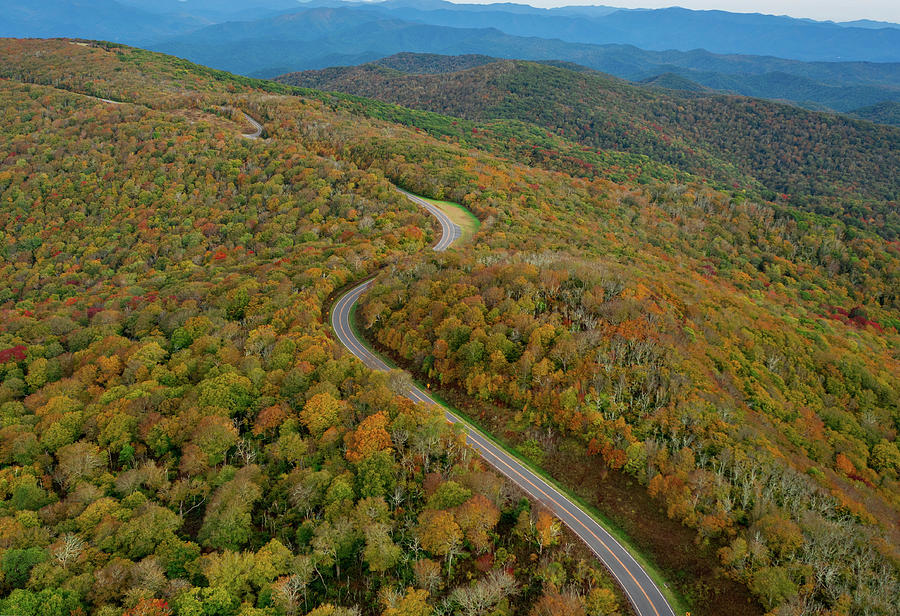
<point>181,434</point>
<point>749,385</point>
<point>813,161</point>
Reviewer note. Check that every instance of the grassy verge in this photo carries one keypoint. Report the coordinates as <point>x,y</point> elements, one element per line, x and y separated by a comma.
<point>677,602</point>
<point>675,599</point>
<point>470,225</point>
<point>459,215</point>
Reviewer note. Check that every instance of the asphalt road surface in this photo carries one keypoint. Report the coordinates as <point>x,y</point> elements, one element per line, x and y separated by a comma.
<point>643,593</point>
<point>259,129</point>
<point>450,231</point>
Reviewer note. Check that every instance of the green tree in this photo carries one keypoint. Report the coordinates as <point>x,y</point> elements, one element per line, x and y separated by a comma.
<point>334,542</point>
<point>381,553</point>
<point>230,391</point>
<point>211,601</point>
<point>16,564</point>
<point>228,522</point>
<point>376,475</point>
<point>448,495</point>
<point>773,586</point>
<point>149,527</point>
<point>48,602</point>
<point>27,494</point>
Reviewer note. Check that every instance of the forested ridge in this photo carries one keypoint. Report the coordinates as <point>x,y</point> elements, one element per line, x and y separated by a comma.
<point>815,161</point>
<point>180,434</point>
<point>848,66</point>
<point>689,351</point>
<point>885,113</point>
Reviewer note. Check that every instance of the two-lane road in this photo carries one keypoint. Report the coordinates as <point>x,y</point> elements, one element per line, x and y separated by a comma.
<point>643,593</point>
<point>450,231</point>
<point>257,133</point>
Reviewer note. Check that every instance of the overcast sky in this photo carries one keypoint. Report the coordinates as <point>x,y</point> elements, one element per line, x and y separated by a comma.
<point>836,10</point>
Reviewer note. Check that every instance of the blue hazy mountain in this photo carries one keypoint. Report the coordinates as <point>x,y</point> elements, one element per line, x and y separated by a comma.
<point>755,55</point>
<point>94,19</point>
<point>652,29</point>
<point>217,10</point>
<point>662,29</point>
<point>329,36</point>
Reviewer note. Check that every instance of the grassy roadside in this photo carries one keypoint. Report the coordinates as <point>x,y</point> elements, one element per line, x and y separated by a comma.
<point>675,599</point>
<point>466,220</point>
<point>677,602</point>
<point>469,225</point>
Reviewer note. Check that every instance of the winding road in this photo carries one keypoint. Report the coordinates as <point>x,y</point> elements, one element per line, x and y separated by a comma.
<point>645,596</point>
<point>259,129</point>
<point>450,231</point>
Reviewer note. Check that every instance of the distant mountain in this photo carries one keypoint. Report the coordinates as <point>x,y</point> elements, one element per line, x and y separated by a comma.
<point>679,29</point>
<point>265,38</point>
<point>673,81</point>
<point>315,38</point>
<point>217,10</point>
<point>322,37</point>
<point>785,149</point>
<point>661,29</point>
<point>868,23</point>
<point>807,92</point>
<point>310,25</point>
<point>430,63</point>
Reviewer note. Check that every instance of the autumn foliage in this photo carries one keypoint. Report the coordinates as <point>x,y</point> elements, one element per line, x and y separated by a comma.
<point>179,432</point>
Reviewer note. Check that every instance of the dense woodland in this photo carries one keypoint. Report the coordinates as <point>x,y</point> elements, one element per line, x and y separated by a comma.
<point>887,112</point>
<point>821,162</point>
<point>180,434</point>
<point>720,354</point>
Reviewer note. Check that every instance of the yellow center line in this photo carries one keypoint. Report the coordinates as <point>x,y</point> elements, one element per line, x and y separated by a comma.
<point>574,517</point>
<point>486,447</point>
<point>342,313</point>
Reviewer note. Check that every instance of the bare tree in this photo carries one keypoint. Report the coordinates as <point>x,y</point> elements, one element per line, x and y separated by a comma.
<point>69,550</point>
<point>480,597</point>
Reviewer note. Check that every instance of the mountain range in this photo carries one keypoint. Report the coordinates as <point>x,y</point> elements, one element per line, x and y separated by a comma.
<point>672,28</point>
<point>322,37</point>
<point>818,65</point>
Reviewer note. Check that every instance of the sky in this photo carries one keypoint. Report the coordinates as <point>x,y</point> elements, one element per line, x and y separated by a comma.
<point>835,10</point>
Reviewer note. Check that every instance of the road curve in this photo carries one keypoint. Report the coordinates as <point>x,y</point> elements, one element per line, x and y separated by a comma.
<point>450,231</point>
<point>256,125</point>
<point>643,593</point>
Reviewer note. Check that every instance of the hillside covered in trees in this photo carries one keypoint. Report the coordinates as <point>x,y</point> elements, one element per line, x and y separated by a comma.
<point>181,434</point>
<point>816,161</point>
<point>178,432</point>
